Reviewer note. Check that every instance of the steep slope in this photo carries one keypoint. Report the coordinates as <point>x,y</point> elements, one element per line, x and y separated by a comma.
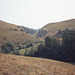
<point>10,32</point>
<point>52,28</point>
<point>20,65</point>
<point>29,30</point>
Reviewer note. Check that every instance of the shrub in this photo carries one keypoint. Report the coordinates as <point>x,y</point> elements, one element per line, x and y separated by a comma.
<point>8,47</point>
<point>16,52</point>
<point>21,29</point>
<point>15,29</point>
<point>18,26</point>
<point>30,45</point>
<point>5,38</point>
<point>49,42</point>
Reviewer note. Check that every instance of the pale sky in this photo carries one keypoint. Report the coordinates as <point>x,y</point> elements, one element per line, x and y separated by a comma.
<point>36,13</point>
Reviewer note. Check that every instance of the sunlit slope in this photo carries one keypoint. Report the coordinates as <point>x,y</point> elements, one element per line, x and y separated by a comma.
<point>70,24</point>
<point>10,32</point>
<point>52,29</point>
<point>20,65</point>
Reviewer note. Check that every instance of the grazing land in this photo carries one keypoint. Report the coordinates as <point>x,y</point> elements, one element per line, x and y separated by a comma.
<point>14,33</point>
<point>20,65</point>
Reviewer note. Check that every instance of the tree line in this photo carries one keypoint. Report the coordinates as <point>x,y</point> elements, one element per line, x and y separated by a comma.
<point>53,49</point>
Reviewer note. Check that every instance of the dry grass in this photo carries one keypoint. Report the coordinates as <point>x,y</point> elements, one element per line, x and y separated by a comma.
<point>20,65</point>
<point>8,33</point>
<point>52,28</point>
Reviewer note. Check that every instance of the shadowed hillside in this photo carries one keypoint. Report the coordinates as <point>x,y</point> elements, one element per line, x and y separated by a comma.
<point>29,30</point>
<point>52,29</point>
<point>16,34</point>
<point>20,65</point>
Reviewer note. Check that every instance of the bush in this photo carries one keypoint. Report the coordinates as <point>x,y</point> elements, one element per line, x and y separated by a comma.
<point>30,45</point>
<point>8,47</point>
<point>16,52</point>
<point>18,26</point>
<point>21,30</point>
<point>15,29</point>
<point>40,50</point>
<point>49,42</point>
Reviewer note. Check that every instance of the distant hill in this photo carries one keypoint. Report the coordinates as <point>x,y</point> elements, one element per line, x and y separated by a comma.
<point>22,65</point>
<point>52,29</point>
<point>29,30</point>
<point>16,34</point>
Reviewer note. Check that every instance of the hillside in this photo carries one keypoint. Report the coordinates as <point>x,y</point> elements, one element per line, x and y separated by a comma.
<point>52,29</point>
<point>20,65</point>
<point>10,32</point>
<point>29,30</point>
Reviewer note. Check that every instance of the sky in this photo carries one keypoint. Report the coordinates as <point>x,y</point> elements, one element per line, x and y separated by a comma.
<point>36,13</point>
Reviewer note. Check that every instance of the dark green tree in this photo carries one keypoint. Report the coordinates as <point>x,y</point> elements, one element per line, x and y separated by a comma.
<point>8,47</point>
<point>40,50</point>
<point>15,52</point>
<point>69,44</point>
<point>50,42</point>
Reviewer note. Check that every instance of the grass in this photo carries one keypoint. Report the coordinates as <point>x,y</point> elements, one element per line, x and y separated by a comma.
<point>20,65</point>
<point>33,49</point>
<point>52,29</point>
<point>11,32</point>
<point>22,51</point>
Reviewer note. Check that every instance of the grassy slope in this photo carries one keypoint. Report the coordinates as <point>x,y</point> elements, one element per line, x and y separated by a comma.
<point>61,25</point>
<point>51,29</point>
<point>33,48</point>
<point>20,65</point>
<point>20,37</point>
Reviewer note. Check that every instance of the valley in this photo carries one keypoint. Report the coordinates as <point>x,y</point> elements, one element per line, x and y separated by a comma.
<point>46,51</point>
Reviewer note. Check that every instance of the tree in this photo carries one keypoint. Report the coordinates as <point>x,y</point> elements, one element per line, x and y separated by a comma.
<point>15,52</point>
<point>51,42</point>
<point>40,50</point>
<point>29,45</point>
<point>47,42</point>
<point>69,38</point>
<point>69,44</point>
<point>8,47</point>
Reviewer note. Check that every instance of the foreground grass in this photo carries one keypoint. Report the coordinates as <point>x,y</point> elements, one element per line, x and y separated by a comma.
<point>20,65</point>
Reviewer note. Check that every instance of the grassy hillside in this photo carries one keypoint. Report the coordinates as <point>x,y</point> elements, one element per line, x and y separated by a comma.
<point>52,28</point>
<point>20,65</point>
<point>10,32</point>
<point>70,24</point>
<point>30,50</point>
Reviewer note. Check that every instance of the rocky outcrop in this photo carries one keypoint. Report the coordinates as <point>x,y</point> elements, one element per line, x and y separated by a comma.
<point>42,32</point>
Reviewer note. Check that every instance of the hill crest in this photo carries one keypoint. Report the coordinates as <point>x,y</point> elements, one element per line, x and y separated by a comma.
<point>51,28</point>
